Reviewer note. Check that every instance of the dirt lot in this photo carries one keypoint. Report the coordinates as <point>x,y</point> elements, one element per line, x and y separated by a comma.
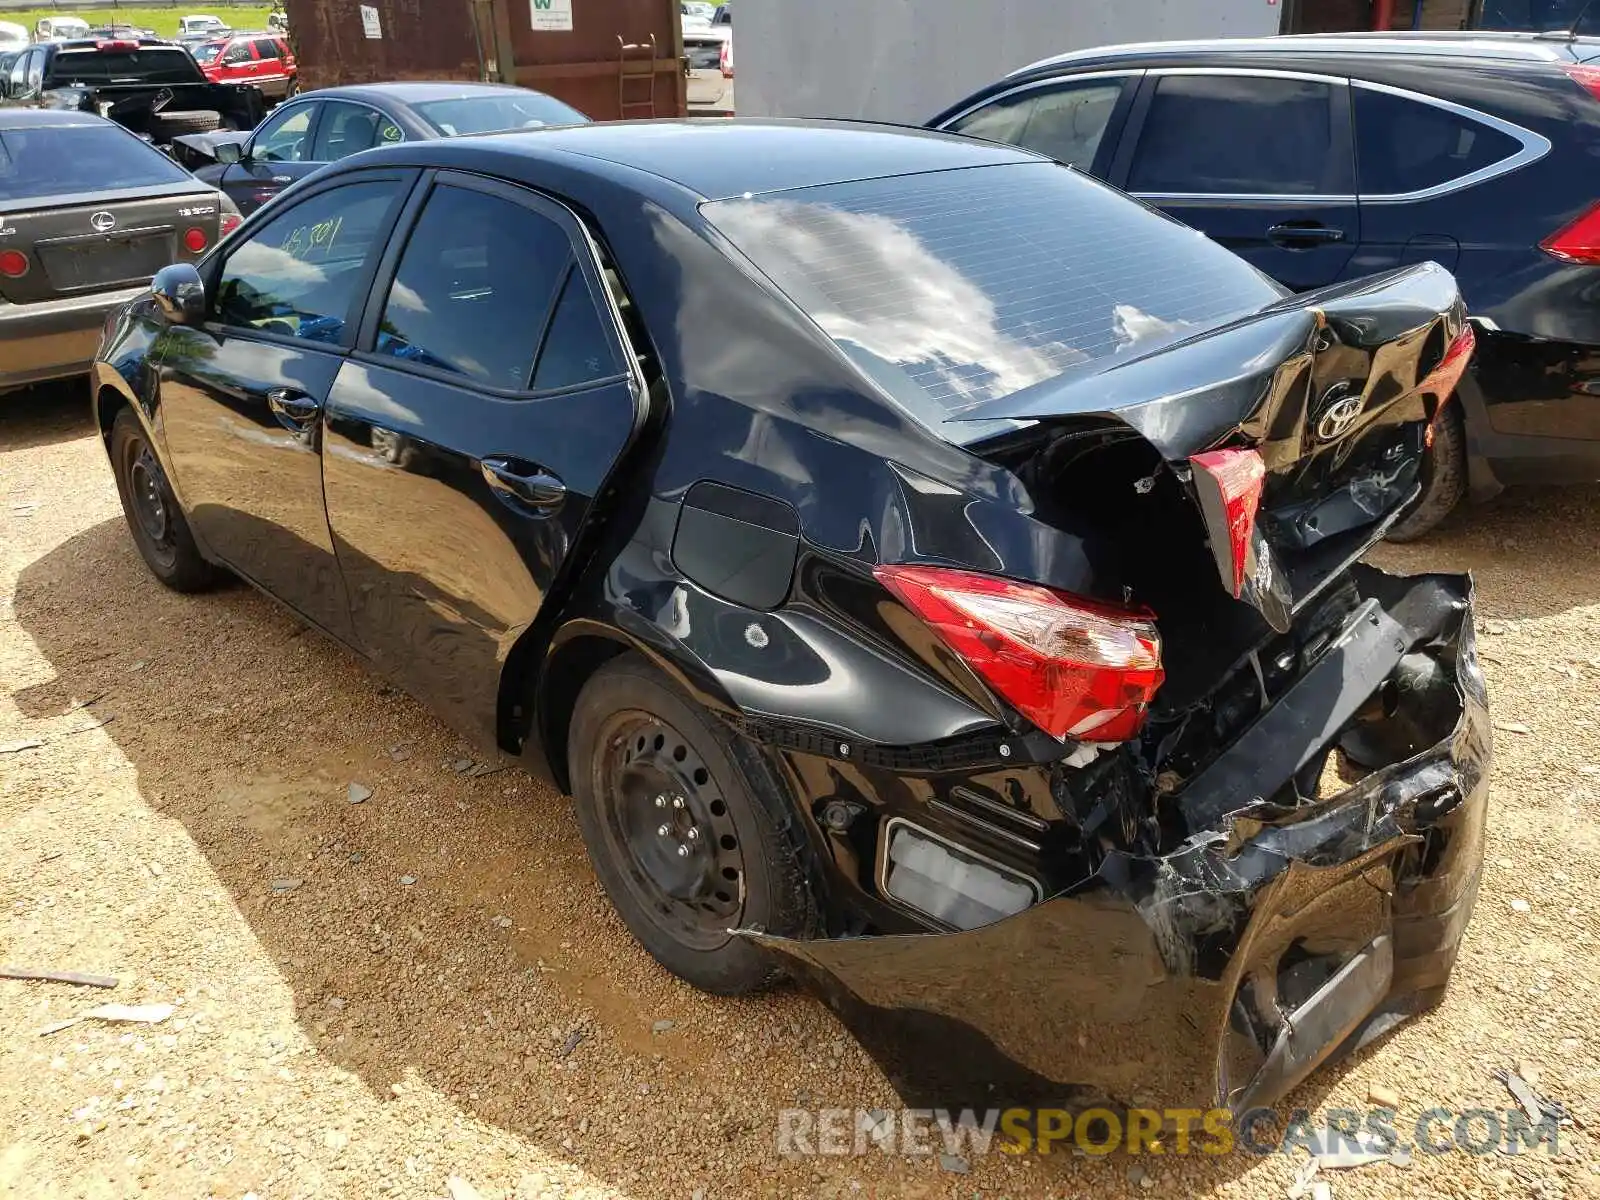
<point>372,998</point>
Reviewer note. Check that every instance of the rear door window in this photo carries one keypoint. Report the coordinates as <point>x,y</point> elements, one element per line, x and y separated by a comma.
<point>1066,123</point>
<point>576,349</point>
<point>1405,145</point>
<point>1241,135</point>
<point>299,274</point>
<point>474,287</point>
<point>266,49</point>
<point>238,52</point>
<point>347,129</point>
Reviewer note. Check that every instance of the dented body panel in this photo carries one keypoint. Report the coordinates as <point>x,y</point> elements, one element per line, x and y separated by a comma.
<point>1221,973</point>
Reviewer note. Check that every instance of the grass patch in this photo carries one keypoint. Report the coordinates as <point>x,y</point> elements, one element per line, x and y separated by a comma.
<point>163,20</point>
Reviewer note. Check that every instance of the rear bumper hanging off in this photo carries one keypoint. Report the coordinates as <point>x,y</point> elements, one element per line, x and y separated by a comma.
<point>1269,941</point>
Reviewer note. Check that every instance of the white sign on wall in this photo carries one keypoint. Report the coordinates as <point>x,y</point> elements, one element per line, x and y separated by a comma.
<point>552,16</point>
<point>370,25</point>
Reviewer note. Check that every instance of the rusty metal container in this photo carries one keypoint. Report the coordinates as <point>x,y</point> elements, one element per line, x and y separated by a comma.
<point>610,59</point>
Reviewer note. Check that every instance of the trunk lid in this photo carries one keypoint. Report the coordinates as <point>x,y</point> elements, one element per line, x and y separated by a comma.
<point>81,244</point>
<point>1331,394</point>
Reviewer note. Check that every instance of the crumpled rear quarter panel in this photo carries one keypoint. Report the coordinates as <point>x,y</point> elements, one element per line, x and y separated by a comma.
<point>1157,980</point>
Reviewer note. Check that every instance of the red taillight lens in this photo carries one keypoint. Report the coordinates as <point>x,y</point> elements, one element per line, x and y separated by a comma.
<point>1074,667</point>
<point>120,46</point>
<point>1579,242</point>
<point>14,264</point>
<point>725,60</point>
<point>1229,483</point>
<point>195,240</point>
<point>1585,76</point>
<point>230,222</point>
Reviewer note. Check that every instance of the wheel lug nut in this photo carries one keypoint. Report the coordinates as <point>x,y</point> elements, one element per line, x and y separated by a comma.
<point>683,851</point>
<point>661,801</point>
<point>677,802</point>
<point>663,831</point>
<point>693,834</point>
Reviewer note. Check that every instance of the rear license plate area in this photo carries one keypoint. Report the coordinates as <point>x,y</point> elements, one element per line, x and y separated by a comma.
<point>127,258</point>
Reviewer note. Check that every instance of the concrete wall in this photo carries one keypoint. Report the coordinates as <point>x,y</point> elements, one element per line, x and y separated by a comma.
<point>904,60</point>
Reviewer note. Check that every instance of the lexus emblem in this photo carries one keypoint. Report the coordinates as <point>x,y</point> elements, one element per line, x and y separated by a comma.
<point>1337,418</point>
<point>103,222</point>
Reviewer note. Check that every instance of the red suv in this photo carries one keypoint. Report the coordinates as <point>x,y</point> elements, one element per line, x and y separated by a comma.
<point>260,58</point>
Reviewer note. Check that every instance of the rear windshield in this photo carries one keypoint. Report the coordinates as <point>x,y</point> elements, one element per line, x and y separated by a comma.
<point>495,114</point>
<point>156,64</point>
<point>955,288</point>
<point>56,161</point>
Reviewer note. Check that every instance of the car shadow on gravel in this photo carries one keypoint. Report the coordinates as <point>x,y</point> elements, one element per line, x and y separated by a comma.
<point>44,414</point>
<point>446,933</point>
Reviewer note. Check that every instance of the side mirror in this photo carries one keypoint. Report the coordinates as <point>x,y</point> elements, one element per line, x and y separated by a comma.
<point>228,153</point>
<point>180,294</point>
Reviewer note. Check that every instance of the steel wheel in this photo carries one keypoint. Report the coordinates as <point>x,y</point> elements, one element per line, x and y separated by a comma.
<point>147,493</point>
<point>669,828</point>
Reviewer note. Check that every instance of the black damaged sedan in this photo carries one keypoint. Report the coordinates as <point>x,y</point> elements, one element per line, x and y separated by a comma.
<point>932,574</point>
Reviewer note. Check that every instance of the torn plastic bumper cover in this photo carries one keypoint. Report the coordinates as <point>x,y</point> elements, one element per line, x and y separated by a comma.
<point>1269,941</point>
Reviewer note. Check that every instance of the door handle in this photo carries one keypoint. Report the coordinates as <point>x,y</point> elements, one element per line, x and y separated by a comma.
<point>523,485</point>
<point>1303,237</point>
<point>295,410</point>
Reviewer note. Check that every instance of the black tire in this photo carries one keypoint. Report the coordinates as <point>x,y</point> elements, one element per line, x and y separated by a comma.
<point>1444,478</point>
<point>637,741</point>
<point>157,522</point>
<point>164,126</point>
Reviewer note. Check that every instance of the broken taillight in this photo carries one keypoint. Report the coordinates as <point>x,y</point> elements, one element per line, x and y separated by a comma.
<point>1578,242</point>
<point>1229,483</point>
<point>1074,667</point>
<point>230,222</point>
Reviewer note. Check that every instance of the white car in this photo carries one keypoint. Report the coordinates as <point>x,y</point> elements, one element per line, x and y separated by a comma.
<point>709,51</point>
<point>13,37</point>
<point>60,29</point>
<point>201,26</point>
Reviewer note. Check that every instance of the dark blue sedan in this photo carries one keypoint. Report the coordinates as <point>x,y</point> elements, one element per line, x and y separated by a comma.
<point>321,127</point>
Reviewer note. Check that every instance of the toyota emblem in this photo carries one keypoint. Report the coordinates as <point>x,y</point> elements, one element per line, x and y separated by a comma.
<point>1337,418</point>
<point>103,222</point>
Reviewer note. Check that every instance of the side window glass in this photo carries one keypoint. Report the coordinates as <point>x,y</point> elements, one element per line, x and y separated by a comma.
<point>474,284</point>
<point>1405,146</point>
<point>19,75</point>
<point>576,349</point>
<point>1002,121</point>
<point>345,130</point>
<point>299,273</point>
<point>266,49</point>
<point>1240,135</point>
<point>239,52</point>
<point>35,76</point>
<point>1068,123</point>
<point>283,139</point>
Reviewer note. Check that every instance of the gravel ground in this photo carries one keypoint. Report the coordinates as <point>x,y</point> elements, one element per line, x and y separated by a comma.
<point>374,998</point>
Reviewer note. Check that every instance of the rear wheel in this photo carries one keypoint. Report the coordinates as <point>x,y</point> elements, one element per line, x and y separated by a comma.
<point>1444,478</point>
<point>157,523</point>
<point>688,840</point>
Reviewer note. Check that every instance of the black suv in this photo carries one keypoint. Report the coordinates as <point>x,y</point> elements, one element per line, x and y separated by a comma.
<point>1326,158</point>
